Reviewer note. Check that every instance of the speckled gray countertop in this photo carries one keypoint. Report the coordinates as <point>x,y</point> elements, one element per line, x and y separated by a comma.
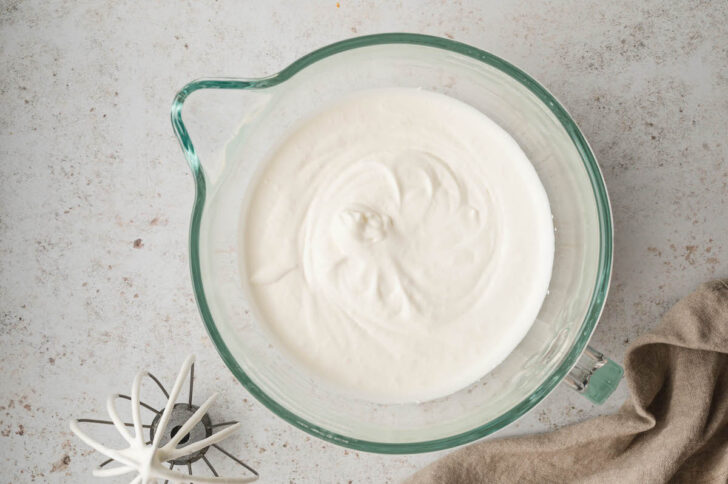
<point>95,195</point>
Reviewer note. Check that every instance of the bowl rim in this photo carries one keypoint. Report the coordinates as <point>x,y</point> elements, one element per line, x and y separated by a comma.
<point>601,285</point>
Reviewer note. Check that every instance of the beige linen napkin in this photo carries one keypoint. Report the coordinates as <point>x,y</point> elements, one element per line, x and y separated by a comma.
<point>674,428</point>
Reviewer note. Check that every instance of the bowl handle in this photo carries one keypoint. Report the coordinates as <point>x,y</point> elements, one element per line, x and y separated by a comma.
<point>594,376</point>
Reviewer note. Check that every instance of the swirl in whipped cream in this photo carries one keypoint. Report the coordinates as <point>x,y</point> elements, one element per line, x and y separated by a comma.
<point>399,244</point>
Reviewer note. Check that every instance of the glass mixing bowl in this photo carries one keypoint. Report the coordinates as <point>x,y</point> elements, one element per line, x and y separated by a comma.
<point>236,123</point>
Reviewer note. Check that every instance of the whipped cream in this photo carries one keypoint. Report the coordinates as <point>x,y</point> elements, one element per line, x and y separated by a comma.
<point>398,244</point>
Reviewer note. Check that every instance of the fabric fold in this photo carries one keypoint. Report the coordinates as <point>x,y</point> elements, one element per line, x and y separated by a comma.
<point>673,428</point>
